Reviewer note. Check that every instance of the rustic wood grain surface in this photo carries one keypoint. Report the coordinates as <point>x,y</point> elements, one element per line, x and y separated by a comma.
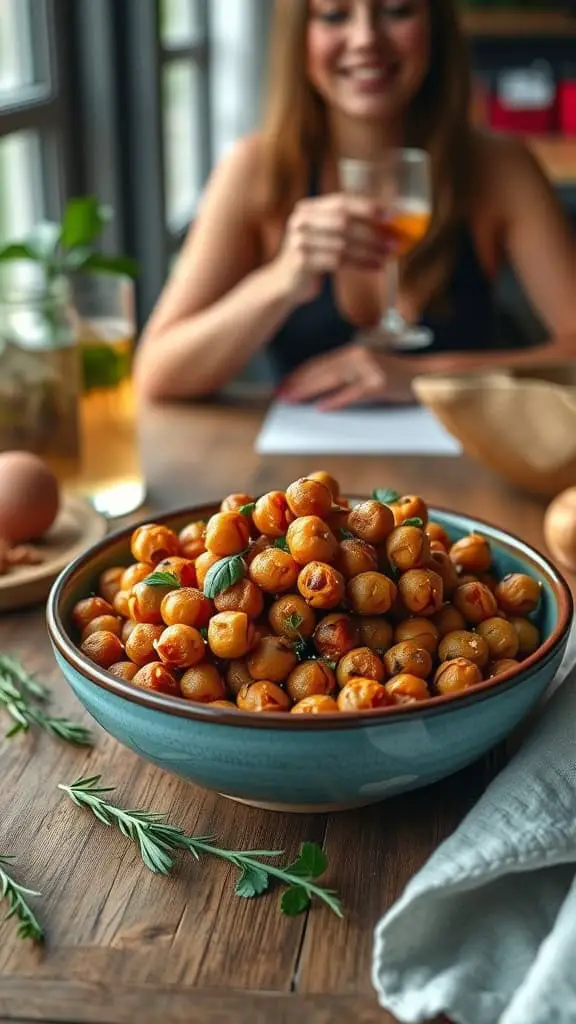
<point>124,945</point>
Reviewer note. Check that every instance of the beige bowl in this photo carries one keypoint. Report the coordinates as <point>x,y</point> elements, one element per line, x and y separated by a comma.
<point>521,424</point>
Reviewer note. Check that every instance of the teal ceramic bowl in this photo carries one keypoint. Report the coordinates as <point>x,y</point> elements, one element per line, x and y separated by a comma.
<point>313,762</point>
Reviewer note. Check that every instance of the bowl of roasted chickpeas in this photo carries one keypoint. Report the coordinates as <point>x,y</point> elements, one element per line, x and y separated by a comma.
<point>303,650</point>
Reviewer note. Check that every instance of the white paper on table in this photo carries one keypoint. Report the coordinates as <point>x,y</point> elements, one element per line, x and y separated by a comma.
<point>383,430</point>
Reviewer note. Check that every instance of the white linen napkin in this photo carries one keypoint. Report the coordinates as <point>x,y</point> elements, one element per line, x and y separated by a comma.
<point>486,931</point>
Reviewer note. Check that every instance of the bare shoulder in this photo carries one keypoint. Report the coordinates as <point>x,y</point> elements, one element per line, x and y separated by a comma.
<point>507,165</point>
<point>238,168</point>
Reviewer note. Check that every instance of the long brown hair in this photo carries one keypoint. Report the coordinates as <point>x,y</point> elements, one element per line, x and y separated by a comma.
<point>295,132</point>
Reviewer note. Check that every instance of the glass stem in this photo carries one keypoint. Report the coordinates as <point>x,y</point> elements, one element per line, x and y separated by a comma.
<point>392,320</point>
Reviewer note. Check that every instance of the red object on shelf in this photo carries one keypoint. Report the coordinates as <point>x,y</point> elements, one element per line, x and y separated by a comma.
<point>525,100</point>
<point>567,107</point>
<point>531,122</point>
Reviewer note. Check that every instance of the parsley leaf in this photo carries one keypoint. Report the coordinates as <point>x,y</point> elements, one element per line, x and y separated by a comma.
<point>252,882</point>
<point>385,495</point>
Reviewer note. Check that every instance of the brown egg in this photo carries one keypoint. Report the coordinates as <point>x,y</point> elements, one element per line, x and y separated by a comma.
<point>29,497</point>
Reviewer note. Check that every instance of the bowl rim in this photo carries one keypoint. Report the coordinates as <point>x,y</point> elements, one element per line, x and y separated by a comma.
<point>181,708</point>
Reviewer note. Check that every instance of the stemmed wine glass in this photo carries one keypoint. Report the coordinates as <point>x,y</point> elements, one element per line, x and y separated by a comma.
<point>401,182</point>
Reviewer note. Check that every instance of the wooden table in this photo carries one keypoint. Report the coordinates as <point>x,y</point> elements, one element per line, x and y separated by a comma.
<point>125,945</point>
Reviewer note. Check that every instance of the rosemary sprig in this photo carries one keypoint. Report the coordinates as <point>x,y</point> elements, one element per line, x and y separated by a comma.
<point>25,715</point>
<point>158,841</point>
<point>26,682</point>
<point>15,895</point>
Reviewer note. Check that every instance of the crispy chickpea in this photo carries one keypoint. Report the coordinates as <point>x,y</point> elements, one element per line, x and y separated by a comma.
<point>444,566</point>
<point>263,695</point>
<point>103,648</point>
<point>182,568</point>
<point>435,545</point>
<point>456,675</point>
<point>476,602</point>
<point>317,704</point>
<point>502,665</point>
<point>408,657</point>
<point>270,516</point>
<point>237,676</point>
<point>374,631</point>
<point>407,689</point>
<point>180,646</point>
<point>288,610</point>
<point>356,556</point>
<point>409,506</point>
<point>501,637</point>
<point>243,596</point>
<point>128,628</point>
<point>203,683</point>
<point>227,533</point>
<point>518,594</point>
<point>274,571</point>
<point>106,623</point>
<point>90,608</point>
<point>260,544</point>
<point>467,577</point>
<point>361,663</point>
<point>192,539</point>
<point>335,635</point>
<point>472,553</point>
<point>371,593</point>
<point>124,670</point>
<point>152,543</point>
<point>230,634</point>
<point>135,574</point>
<point>363,695</point>
<point>407,547</point>
<point>223,704</point>
<point>371,521</point>
<point>145,602</point>
<point>463,644</point>
<point>321,585</point>
<point>307,497</point>
<point>157,677</point>
<point>310,678</point>
<point>140,644</point>
<point>422,631</point>
<point>528,635</point>
<point>421,591</point>
<point>325,478</point>
<point>337,519</point>
<point>186,607</point>
<point>121,605</point>
<point>438,534</point>
<point>203,564</point>
<point>273,658</point>
<point>489,580</point>
<point>234,502</point>
<point>311,540</point>
<point>448,619</point>
<point>109,582</point>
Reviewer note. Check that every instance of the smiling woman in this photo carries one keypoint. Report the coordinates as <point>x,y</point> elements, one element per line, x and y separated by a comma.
<point>282,258</point>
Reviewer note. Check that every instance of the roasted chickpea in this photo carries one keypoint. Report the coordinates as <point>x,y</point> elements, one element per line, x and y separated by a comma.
<point>289,610</point>
<point>472,553</point>
<point>128,628</point>
<point>158,678</point>
<point>263,696</point>
<point>371,593</point>
<point>528,636</point>
<point>106,623</point>
<point>203,564</point>
<point>145,602</point>
<point>109,582</point>
<point>260,544</point>
<point>361,663</point>
<point>501,637</point>
<point>408,657</point>
<point>186,607</point>
<point>463,644</point>
<point>409,506</point>
<point>307,497</point>
<point>422,631</point>
<point>489,580</point>
<point>273,658</point>
<point>337,519</point>
<point>407,689</point>
<point>435,545</point>
<point>371,521</point>
<point>441,563</point>
<point>476,602</point>
<point>421,591</point>
<point>103,648</point>
<point>193,539</point>
<point>135,574</point>
<point>237,676</point>
<point>203,683</point>
<point>227,533</point>
<point>335,635</point>
<point>325,478</point>
<point>90,608</point>
<point>518,594</point>
<point>271,514</point>
<point>407,547</point>
<point>356,556</point>
<point>234,502</point>
<point>121,605</point>
<point>310,678</point>
<point>182,568</point>
<point>243,596</point>
<point>311,540</point>
<point>140,644</point>
<point>448,619</point>
<point>321,585</point>
<point>180,646</point>
<point>456,675</point>
<point>230,634</point>
<point>274,571</point>
<point>124,670</point>
<point>363,695</point>
<point>497,668</point>
<point>152,543</point>
<point>317,704</point>
<point>438,534</point>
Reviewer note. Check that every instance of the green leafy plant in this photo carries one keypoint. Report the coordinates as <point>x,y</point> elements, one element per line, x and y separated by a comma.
<point>282,544</point>
<point>162,579</point>
<point>15,895</point>
<point>224,574</point>
<point>385,495</point>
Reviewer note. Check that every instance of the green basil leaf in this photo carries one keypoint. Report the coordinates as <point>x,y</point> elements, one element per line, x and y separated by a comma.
<point>415,521</point>
<point>82,222</point>
<point>282,544</point>
<point>124,265</point>
<point>162,579</point>
<point>294,901</point>
<point>224,574</point>
<point>17,251</point>
<point>247,510</point>
<point>385,495</point>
